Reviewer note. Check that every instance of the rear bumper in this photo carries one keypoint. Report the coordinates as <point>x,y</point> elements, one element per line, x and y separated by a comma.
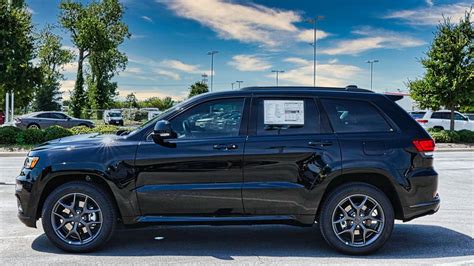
<point>422,209</point>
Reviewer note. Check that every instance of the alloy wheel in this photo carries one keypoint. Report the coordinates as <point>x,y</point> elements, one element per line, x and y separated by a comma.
<point>358,220</point>
<point>76,219</point>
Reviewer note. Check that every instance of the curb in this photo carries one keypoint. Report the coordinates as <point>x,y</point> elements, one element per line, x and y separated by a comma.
<point>13,154</point>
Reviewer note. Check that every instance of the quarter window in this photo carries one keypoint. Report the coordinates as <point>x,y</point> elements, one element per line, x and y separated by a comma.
<point>289,116</point>
<point>354,116</point>
<point>219,118</point>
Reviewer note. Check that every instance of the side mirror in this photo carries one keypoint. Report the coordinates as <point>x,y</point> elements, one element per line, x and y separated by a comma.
<point>162,132</point>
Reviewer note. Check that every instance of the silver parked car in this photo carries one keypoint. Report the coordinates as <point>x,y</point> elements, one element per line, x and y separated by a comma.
<point>40,120</point>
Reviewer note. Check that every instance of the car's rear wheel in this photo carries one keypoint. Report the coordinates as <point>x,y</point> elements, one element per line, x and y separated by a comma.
<point>356,219</point>
<point>33,126</point>
<point>78,217</point>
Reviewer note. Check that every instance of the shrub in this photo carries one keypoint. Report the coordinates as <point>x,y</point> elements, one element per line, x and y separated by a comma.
<point>8,135</point>
<point>466,136</point>
<point>30,136</point>
<point>56,132</point>
<point>445,136</point>
<point>80,130</point>
<point>105,129</point>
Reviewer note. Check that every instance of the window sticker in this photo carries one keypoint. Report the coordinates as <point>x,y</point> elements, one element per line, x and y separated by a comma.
<point>278,112</point>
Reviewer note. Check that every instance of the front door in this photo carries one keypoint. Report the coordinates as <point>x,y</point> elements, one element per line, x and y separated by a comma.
<point>289,152</point>
<point>203,173</point>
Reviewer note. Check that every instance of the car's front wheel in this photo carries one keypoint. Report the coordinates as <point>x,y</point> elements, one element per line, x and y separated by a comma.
<point>78,217</point>
<point>356,219</point>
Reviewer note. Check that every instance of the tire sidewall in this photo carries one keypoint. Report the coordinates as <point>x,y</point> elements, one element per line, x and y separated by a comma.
<point>100,197</point>
<point>345,191</point>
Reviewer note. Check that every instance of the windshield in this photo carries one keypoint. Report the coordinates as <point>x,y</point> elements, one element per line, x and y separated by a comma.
<point>115,114</point>
<point>159,117</point>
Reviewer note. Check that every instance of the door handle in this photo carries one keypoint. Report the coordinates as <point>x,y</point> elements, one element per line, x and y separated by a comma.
<point>320,143</point>
<point>225,147</point>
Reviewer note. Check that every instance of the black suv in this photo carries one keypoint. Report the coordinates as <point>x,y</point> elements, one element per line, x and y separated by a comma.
<point>348,159</point>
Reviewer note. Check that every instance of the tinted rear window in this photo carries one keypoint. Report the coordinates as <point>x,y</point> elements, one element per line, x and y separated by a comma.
<point>354,116</point>
<point>417,115</point>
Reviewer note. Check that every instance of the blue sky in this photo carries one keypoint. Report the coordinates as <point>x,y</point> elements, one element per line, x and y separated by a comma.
<point>170,40</point>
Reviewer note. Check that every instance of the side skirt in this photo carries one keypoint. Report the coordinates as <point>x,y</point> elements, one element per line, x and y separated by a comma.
<point>226,220</point>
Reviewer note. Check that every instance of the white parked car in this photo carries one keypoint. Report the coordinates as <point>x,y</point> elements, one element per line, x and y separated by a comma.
<point>113,117</point>
<point>441,120</point>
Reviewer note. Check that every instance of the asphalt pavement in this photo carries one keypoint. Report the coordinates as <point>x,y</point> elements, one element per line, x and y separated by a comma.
<point>443,238</point>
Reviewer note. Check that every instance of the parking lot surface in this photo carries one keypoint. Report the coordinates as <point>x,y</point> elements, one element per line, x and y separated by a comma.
<point>443,238</point>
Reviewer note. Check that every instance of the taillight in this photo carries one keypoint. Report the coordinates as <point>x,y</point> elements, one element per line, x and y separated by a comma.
<point>424,145</point>
<point>423,121</point>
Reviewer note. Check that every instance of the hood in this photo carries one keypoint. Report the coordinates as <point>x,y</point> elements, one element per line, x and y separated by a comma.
<point>77,141</point>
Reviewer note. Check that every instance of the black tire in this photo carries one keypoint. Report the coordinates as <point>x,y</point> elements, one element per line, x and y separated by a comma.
<point>438,128</point>
<point>344,194</point>
<point>108,216</point>
<point>33,126</point>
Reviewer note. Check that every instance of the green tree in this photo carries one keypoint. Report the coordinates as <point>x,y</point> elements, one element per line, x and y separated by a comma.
<point>131,101</point>
<point>105,58</point>
<point>17,73</point>
<point>52,58</point>
<point>157,102</point>
<point>198,88</point>
<point>449,78</point>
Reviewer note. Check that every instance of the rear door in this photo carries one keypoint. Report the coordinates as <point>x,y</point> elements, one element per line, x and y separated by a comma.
<point>289,151</point>
<point>366,136</point>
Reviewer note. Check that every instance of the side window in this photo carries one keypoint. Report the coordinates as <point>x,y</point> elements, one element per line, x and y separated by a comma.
<point>440,115</point>
<point>287,116</point>
<point>354,116</point>
<point>459,117</point>
<point>219,118</point>
<point>44,115</point>
<point>59,116</point>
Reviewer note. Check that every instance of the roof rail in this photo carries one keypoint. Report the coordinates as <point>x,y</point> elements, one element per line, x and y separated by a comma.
<point>351,88</point>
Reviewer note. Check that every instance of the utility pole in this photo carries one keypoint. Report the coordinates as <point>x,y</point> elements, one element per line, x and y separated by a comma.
<point>232,84</point>
<point>314,21</point>
<point>371,62</point>
<point>239,82</point>
<point>276,76</point>
<point>212,53</point>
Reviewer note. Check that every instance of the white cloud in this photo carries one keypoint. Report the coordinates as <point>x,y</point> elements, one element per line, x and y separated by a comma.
<point>308,35</point>
<point>178,65</point>
<point>70,67</point>
<point>133,70</point>
<point>327,74</point>
<point>153,92</point>
<point>167,73</point>
<point>148,19</point>
<point>429,2</point>
<point>372,39</point>
<point>250,23</point>
<point>249,63</point>
<point>30,10</point>
<point>296,60</point>
<point>431,15</point>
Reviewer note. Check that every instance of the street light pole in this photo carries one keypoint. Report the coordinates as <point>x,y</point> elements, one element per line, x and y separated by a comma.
<point>212,53</point>
<point>239,82</point>
<point>232,84</point>
<point>314,21</point>
<point>371,62</point>
<point>276,76</point>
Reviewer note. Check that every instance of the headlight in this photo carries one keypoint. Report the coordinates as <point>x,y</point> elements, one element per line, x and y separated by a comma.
<point>31,162</point>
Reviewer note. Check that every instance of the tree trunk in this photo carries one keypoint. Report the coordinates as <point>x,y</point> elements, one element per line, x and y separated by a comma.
<point>451,124</point>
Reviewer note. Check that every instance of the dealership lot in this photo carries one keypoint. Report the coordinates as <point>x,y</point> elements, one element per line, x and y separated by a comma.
<point>446,237</point>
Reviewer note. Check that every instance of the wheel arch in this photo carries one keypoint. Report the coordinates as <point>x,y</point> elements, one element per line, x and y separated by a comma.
<point>378,180</point>
<point>63,178</point>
